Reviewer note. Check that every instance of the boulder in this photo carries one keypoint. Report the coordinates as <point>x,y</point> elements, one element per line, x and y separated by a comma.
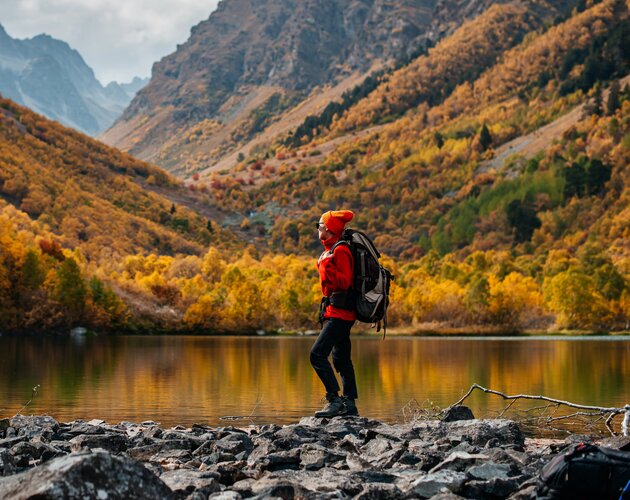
<point>489,470</point>
<point>78,427</point>
<point>493,488</point>
<point>85,475</point>
<point>184,482</point>
<point>314,457</point>
<point>459,461</point>
<point>480,432</point>
<point>111,442</point>
<point>234,443</point>
<point>455,413</point>
<point>144,453</point>
<point>376,447</point>
<point>289,459</point>
<point>438,482</point>
<point>7,463</point>
<point>31,426</point>
<point>228,472</point>
<point>378,491</point>
<point>224,495</point>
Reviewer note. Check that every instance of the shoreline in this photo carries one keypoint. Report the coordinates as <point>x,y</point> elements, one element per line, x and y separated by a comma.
<point>342,457</point>
<point>361,331</point>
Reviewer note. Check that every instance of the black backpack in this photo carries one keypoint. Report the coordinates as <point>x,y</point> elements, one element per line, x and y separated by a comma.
<point>371,280</point>
<point>586,471</point>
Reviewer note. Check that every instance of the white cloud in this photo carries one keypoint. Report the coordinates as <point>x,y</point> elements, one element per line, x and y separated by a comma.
<point>119,39</point>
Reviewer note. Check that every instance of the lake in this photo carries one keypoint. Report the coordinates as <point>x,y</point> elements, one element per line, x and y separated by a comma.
<point>188,379</point>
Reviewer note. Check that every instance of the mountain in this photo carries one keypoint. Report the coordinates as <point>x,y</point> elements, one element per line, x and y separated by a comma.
<point>254,65</point>
<point>51,78</point>
<point>494,173</point>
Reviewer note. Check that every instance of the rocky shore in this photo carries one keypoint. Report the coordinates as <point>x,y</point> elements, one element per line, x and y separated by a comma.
<point>316,458</point>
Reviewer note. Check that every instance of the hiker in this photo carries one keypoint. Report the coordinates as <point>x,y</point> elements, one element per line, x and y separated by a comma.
<point>337,315</point>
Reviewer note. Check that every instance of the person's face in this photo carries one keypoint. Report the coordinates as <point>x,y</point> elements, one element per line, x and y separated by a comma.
<point>323,231</point>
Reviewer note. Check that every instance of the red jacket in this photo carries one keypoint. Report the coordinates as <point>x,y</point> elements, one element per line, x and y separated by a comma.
<point>336,273</point>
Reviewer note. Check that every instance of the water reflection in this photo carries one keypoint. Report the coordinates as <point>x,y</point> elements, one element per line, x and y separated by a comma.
<point>201,379</point>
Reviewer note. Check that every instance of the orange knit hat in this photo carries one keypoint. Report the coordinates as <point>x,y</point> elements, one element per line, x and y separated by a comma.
<point>336,220</point>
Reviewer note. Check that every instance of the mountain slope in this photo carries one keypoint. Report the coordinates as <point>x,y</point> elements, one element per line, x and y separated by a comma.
<point>252,64</point>
<point>51,78</point>
<point>405,177</point>
<point>90,195</point>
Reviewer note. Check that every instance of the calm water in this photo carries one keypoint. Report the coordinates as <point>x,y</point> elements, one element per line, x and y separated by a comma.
<point>183,380</point>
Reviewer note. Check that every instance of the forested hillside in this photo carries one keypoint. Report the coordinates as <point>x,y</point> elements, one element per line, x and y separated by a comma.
<point>65,197</point>
<point>423,187</point>
<point>477,234</point>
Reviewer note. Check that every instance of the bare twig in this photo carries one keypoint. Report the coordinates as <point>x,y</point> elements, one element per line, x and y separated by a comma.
<point>591,411</point>
<point>33,394</point>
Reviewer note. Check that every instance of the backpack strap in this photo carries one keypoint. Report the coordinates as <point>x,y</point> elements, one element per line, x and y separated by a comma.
<point>340,242</point>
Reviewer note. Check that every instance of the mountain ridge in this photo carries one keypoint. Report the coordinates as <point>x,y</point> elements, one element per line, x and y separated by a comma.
<point>243,47</point>
<point>50,77</point>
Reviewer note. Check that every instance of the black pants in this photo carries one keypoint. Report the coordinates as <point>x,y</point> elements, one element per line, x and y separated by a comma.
<point>335,337</point>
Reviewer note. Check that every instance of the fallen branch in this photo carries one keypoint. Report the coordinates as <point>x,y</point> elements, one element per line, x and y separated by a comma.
<point>595,411</point>
<point>33,394</point>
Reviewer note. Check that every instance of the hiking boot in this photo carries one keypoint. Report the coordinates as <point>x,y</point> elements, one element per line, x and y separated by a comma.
<point>350,407</point>
<point>334,408</point>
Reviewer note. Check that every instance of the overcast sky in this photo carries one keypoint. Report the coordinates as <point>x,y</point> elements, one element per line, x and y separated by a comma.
<point>119,39</point>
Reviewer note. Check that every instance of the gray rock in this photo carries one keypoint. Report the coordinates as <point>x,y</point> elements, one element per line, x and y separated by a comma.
<point>479,432</point>
<point>488,471</point>
<point>28,449</point>
<point>184,481</point>
<point>313,421</point>
<point>356,462</point>
<point>387,459</point>
<point>5,423</point>
<point>31,426</point>
<point>314,457</point>
<point>418,445</point>
<point>114,443</point>
<point>81,428</point>
<point>326,481</point>
<point>350,443</point>
<point>279,489</point>
<point>244,486</point>
<point>446,496</point>
<point>153,432</point>
<point>615,442</point>
<point>144,453</point>
<point>455,413</point>
<point>228,472</point>
<point>407,458</point>
<point>378,491</point>
<point>458,461</point>
<point>171,457</point>
<point>85,475</point>
<point>496,487</point>
<point>373,476</point>
<point>262,449</point>
<point>399,432</point>
<point>438,482</point>
<point>217,458</point>
<point>524,493</point>
<point>234,443</point>
<point>225,495</point>
<point>376,447</point>
<point>289,459</point>
<point>7,463</point>
<point>341,429</point>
